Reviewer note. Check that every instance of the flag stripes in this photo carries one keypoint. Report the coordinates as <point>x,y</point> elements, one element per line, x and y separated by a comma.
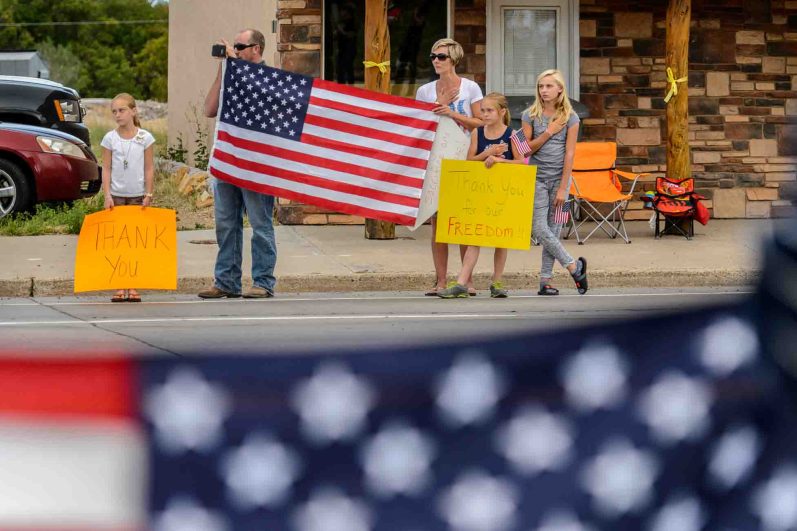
<point>332,200</point>
<point>331,184</point>
<point>269,154</point>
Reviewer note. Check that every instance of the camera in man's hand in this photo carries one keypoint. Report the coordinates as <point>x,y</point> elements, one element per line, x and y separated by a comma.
<point>218,50</point>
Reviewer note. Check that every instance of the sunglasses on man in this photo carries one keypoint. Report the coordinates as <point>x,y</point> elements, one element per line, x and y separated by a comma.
<point>438,56</point>
<point>239,46</point>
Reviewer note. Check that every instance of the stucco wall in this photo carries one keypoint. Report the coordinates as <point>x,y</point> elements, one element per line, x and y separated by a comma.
<point>193,27</point>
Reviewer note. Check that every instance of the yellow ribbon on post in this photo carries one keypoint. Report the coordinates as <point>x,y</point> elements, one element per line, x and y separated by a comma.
<point>673,84</point>
<point>381,66</point>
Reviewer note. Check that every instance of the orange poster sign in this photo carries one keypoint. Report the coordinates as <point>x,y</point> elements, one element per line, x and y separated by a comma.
<point>127,247</point>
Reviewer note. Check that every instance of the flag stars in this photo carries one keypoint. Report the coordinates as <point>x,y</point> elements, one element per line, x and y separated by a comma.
<point>774,501</point>
<point>595,378</point>
<point>479,502</point>
<point>620,478</point>
<point>329,509</point>
<point>183,513</point>
<point>249,122</point>
<point>260,472</point>
<point>535,441</point>
<point>469,391</point>
<point>187,411</point>
<point>302,81</point>
<point>727,345</point>
<point>733,457</point>
<point>397,460</point>
<point>333,404</point>
<point>676,407</point>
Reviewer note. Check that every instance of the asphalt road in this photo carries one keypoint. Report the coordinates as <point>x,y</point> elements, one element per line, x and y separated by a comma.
<point>179,324</point>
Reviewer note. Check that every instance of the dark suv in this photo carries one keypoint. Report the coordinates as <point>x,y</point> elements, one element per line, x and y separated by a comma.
<point>33,101</point>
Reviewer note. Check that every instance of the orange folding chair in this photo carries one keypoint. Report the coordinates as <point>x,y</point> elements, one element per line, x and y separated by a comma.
<point>597,189</point>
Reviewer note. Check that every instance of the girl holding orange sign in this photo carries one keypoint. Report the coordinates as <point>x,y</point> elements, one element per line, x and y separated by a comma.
<point>127,166</point>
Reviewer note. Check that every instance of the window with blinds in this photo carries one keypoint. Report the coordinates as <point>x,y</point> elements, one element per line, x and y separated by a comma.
<point>529,47</point>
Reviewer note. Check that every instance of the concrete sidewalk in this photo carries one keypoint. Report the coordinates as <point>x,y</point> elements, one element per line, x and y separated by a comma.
<point>338,258</point>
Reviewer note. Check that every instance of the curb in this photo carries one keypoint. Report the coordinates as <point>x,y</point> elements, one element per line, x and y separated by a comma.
<point>31,287</point>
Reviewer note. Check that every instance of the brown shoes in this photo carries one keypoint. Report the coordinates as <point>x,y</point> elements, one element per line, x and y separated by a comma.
<point>216,293</point>
<point>256,292</point>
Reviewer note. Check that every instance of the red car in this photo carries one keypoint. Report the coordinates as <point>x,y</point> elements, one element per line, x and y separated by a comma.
<point>39,164</point>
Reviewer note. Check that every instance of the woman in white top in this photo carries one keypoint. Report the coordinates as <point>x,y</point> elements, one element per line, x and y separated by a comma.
<point>459,99</point>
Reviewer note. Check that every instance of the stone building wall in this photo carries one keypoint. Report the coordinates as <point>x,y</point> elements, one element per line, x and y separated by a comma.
<point>742,88</point>
<point>742,96</point>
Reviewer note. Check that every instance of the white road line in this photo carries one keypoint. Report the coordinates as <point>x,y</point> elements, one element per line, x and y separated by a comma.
<point>11,324</point>
<point>370,298</point>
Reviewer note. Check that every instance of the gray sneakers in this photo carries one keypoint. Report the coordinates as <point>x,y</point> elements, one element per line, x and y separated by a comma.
<point>497,291</point>
<point>454,291</point>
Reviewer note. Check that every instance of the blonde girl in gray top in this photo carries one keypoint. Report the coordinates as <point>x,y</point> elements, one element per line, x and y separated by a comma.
<point>552,127</point>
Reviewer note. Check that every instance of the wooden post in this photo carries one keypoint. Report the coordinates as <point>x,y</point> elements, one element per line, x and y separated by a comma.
<point>377,49</point>
<point>679,166</point>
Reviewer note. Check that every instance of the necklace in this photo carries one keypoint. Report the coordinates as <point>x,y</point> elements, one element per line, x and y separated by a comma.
<point>129,145</point>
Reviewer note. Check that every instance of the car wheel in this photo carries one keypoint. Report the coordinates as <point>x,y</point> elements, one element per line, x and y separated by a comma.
<point>15,190</point>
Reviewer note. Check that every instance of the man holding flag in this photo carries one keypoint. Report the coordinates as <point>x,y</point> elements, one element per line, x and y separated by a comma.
<point>231,200</point>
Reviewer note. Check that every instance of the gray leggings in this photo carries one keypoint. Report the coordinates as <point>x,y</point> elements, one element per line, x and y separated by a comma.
<point>545,232</point>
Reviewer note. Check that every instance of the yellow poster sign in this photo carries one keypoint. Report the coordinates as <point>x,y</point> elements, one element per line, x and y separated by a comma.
<point>486,207</point>
<point>127,247</point>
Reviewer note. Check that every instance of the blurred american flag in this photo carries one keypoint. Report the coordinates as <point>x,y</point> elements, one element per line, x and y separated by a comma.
<point>587,429</point>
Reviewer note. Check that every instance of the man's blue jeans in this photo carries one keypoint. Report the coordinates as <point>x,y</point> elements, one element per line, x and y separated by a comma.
<point>230,202</point>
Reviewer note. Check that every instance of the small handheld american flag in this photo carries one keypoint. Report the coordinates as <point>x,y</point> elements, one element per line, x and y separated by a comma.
<point>562,213</point>
<point>521,143</point>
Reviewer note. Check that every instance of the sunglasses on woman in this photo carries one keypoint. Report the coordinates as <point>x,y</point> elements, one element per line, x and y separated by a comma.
<point>241,46</point>
<point>438,56</point>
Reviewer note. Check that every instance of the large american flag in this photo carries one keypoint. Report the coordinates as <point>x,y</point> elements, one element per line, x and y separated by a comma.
<point>335,146</point>
<point>687,424</point>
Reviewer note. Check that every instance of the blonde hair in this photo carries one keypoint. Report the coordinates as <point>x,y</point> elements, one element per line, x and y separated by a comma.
<point>500,102</point>
<point>455,50</point>
<point>562,104</point>
<point>130,101</point>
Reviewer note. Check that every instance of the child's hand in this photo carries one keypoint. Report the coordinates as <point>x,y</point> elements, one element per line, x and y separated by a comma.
<point>498,149</point>
<point>108,202</point>
<point>556,126</point>
<point>492,160</point>
<point>147,201</point>
<point>561,197</point>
